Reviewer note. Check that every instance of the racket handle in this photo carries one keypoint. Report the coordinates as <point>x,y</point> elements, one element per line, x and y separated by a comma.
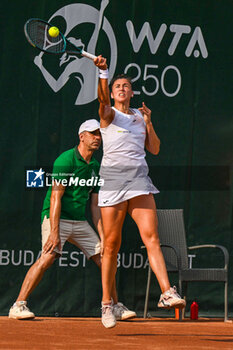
<point>88,55</point>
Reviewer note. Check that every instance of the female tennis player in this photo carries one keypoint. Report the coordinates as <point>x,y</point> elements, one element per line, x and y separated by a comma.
<point>126,132</point>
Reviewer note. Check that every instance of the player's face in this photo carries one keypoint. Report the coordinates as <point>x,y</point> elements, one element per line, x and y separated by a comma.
<point>122,90</point>
<point>92,140</point>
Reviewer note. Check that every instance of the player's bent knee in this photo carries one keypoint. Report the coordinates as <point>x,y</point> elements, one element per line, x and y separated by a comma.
<point>151,240</point>
<point>111,250</point>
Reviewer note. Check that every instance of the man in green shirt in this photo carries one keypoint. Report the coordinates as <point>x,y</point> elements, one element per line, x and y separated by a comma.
<point>75,180</point>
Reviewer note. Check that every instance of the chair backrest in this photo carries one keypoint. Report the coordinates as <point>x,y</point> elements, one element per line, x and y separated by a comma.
<point>172,231</point>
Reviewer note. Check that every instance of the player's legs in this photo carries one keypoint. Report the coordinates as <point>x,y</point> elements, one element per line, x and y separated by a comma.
<point>97,260</point>
<point>86,239</point>
<point>120,311</point>
<point>112,220</point>
<point>143,211</point>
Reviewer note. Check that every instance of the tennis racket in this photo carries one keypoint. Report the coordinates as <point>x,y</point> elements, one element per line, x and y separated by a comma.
<point>36,32</point>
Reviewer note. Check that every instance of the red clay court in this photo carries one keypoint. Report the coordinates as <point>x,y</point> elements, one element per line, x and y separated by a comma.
<point>48,333</point>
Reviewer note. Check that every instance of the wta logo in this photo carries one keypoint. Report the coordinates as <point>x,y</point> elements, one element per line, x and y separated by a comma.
<point>80,19</point>
<point>80,68</point>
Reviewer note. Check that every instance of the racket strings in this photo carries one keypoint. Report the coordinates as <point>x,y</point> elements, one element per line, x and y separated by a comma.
<point>38,33</point>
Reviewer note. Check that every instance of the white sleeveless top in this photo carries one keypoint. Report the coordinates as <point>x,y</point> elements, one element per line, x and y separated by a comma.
<point>123,167</point>
<point>124,139</point>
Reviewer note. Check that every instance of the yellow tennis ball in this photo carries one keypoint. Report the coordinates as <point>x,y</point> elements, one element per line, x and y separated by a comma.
<point>53,32</point>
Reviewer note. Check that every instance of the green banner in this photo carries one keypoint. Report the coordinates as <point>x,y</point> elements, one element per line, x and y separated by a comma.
<point>179,56</point>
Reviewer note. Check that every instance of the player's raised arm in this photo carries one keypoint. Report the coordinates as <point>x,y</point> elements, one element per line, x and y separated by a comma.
<point>106,113</point>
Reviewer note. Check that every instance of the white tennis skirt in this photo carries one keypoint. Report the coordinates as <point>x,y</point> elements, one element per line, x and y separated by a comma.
<point>114,192</point>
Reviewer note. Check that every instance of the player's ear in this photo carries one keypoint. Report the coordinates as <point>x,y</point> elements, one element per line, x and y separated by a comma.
<point>111,95</point>
<point>132,95</point>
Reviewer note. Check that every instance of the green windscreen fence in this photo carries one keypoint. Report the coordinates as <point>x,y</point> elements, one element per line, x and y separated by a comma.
<point>179,55</point>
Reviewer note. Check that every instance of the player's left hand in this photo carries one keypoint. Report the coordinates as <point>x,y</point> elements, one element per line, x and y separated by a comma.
<point>146,112</point>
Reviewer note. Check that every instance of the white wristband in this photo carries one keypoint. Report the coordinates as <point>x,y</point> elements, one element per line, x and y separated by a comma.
<point>103,74</point>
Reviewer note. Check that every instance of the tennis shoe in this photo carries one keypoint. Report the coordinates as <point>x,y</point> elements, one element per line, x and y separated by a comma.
<point>170,299</point>
<point>108,318</point>
<point>20,311</point>
<point>122,313</point>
